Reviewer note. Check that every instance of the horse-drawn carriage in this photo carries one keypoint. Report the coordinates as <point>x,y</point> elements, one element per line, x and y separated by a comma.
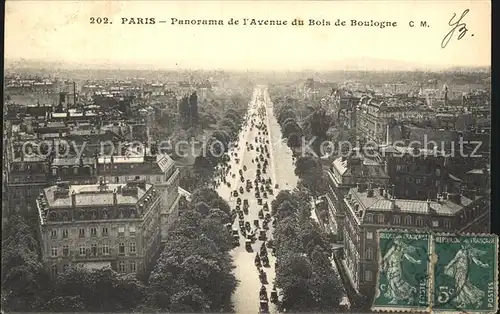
<point>263,250</point>
<point>251,235</point>
<point>257,262</point>
<point>274,295</point>
<point>262,276</point>
<point>248,245</point>
<point>265,261</point>
<point>236,240</point>
<point>265,207</point>
<point>262,235</point>
<point>256,223</point>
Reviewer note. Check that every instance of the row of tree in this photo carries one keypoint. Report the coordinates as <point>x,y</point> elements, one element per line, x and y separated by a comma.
<point>312,176</point>
<point>214,150</point>
<point>194,271</point>
<point>308,169</point>
<point>24,281</point>
<point>192,114</point>
<point>299,118</point>
<point>304,273</point>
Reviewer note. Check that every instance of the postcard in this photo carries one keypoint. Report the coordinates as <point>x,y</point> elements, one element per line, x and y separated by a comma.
<point>247,156</point>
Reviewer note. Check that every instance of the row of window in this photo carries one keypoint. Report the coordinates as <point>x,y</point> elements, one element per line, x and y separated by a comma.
<point>416,168</point>
<point>420,222</point>
<point>93,232</point>
<point>157,179</point>
<point>132,267</point>
<point>368,275</point>
<point>94,250</point>
<point>87,170</point>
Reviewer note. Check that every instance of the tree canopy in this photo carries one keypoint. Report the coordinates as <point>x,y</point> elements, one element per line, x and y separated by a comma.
<point>195,257</point>
<point>304,273</point>
<point>24,280</point>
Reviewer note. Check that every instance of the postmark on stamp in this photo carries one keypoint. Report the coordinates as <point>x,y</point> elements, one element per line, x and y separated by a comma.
<point>465,274</point>
<point>404,271</point>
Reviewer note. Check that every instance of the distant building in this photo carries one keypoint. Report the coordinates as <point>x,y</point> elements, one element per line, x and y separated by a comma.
<point>415,173</point>
<point>116,225</point>
<point>375,117</point>
<point>26,175</point>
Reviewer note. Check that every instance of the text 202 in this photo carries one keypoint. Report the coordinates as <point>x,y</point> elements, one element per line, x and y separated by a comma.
<point>99,20</point>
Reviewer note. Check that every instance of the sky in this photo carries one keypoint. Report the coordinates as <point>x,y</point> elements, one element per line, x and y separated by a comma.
<point>50,30</point>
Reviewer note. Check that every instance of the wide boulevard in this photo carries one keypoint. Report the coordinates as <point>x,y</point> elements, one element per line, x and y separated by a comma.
<point>280,170</point>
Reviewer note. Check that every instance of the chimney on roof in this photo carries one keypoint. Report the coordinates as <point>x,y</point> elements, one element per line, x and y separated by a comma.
<point>115,198</point>
<point>73,199</point>
<point>370,191</point>
<point>381,191</point>
<point>393,203</point>
<point>429,203</point>
<point>362,187</point>
<point>455,198</point>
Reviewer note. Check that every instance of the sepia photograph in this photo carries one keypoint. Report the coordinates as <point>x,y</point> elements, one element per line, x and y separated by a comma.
<point>247,157</point>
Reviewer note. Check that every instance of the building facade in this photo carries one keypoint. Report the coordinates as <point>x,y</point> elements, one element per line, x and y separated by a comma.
<point>416,173</point>
<point>25,176</point>
<point>375,117</point>
<point>343,174</point>
<point>116,225</point>
<point>370,210</point>
<point>159,171</point>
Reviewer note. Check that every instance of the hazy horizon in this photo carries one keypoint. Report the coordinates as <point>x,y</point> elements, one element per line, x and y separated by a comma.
<point>61,33</point>
<point>22,63</point>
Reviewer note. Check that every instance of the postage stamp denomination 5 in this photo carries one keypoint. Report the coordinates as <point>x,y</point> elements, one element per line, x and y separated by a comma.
<point>465,275</point>
<point>404,271</point>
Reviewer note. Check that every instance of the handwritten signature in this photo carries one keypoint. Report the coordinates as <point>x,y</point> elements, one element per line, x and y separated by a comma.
<point>461,26</point>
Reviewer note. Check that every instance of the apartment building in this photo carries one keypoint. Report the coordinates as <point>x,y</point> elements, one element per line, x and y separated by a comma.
<point>97,225</point>
<point>371,209</point>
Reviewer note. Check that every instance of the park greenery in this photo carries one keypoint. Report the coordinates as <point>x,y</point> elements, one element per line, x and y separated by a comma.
<point>195,257</point>
<point>214,151</point>
<point>308,167</point>
<point>304,274</point>
<point>216,120</point>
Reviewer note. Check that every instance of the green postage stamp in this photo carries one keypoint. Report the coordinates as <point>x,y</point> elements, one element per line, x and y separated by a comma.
<point>404,271</point>
<point>426,272</point>
<point>465,273</point>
